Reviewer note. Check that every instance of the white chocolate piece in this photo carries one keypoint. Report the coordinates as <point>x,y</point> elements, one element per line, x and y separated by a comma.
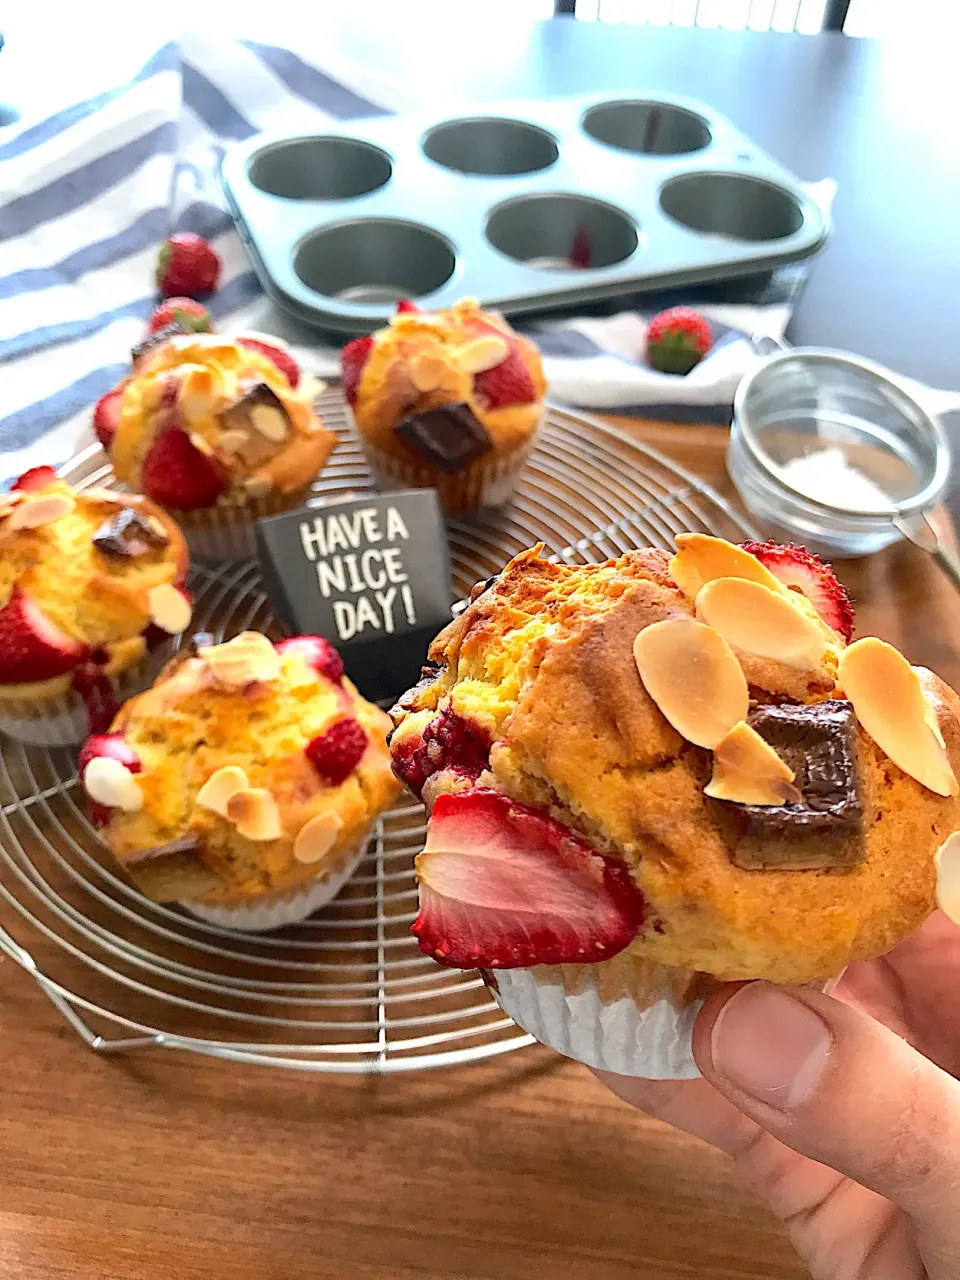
<point>111,783</point>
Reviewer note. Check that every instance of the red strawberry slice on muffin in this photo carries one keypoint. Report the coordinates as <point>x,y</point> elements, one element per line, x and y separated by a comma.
<point>32,647</point>
<point>178,475</point>
<point>800,570</point>
<point>504,886</point>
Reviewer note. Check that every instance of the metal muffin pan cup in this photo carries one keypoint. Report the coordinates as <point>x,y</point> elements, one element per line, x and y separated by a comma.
<point>527,207</point>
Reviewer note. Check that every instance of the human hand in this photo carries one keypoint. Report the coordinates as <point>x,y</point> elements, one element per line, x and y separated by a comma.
<point>842,1110</point>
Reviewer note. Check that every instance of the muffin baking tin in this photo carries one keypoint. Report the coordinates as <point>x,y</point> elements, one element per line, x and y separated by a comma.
<point>525,206</point>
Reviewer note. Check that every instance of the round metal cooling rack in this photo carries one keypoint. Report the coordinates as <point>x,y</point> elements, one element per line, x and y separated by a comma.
<point>347,990</point>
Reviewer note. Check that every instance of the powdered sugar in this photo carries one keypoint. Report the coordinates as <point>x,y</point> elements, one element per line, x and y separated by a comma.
<point>826,476</point>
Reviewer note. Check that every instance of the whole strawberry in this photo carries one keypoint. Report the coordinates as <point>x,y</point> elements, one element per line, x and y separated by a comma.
<point>677,339</point>
<point>187,266</point>
<point>193,317</point>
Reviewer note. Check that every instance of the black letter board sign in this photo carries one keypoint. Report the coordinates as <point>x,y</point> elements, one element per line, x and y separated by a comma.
<point>372,575</point>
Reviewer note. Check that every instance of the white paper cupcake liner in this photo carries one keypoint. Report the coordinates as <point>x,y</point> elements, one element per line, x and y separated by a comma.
<point>63,721</point>
<point>618,1035</point>
<point>613,1035</point>
<point>226,532</point>
<point>279,909</point>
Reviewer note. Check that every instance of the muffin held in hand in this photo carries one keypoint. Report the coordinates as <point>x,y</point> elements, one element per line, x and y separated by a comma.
<point>212,429</point>
<point>651,770</point>
<point>243,784</point>
<point>91,594</point>
<point>446,400</point>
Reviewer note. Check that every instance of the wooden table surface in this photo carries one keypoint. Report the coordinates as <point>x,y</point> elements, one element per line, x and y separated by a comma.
<point>160,1166</point>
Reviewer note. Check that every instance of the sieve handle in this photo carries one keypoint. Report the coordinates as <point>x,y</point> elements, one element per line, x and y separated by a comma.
<point>923,533</point>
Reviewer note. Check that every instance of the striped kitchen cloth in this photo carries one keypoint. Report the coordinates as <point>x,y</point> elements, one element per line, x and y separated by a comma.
<point>87,194</point>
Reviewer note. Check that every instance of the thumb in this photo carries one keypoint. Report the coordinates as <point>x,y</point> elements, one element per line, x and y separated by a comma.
<point>844,1090</point>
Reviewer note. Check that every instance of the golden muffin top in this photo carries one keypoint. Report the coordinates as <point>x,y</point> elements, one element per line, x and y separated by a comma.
<point>427,359</point>
<point>248,768</point>
<point>776,797</point>
<point>84,574</point>
<point>204,419</point>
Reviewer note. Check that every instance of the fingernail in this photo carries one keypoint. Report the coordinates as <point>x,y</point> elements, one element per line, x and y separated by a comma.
<point>769,1044</point>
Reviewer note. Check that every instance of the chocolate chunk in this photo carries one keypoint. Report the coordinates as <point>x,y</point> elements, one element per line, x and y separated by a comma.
<point>825,829</point>
<point>449,437</point>
<point>154,340</point>
<point>129,534</point>
<point>260,413</point>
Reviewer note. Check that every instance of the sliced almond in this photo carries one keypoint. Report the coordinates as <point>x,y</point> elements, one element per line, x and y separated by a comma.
<point>198,390</point>
<point>108,782</point>
<point>34,513</point>
<point>233,440</point>
<point>270,422</point>
<point>757,620</point>
<point>258,486</point>
<point>157,525</point>
<point>427,372</point>
<point>317,837</point>
<point>255,815</point>
<point>8,501</point>
<point>702,558</point>
<point>309,387</point>
<point>107,496</point>
<point>747,770</point>
<point>241,661</point>
<point>201,445</point>
<point>890,703</point>
<point>220,788</point>
<point>693,676</point>
<point>169,608</point>
<point>948,877</point>
<point>482,353</point>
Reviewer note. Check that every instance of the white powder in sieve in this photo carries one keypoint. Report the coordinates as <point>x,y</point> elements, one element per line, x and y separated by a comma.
<point>826,476</point>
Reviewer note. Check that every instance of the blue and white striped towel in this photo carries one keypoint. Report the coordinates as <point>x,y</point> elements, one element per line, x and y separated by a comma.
<point>87,194</point>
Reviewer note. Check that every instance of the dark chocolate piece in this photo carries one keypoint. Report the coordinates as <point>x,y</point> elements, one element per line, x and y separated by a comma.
<point>449,437</point>
<point>825,829</point>
<point>154,340</point>
<point>239,415</point>
<point>128,534</point>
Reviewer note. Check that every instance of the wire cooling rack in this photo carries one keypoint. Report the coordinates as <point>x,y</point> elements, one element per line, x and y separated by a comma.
<point>347,990</point>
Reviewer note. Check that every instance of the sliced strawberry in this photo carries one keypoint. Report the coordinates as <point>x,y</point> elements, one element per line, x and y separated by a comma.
<point>508,383</point>
<point>276,355</point>
<point>503,886</point>
<point>800,570</point>
<point>34,479</point>
<point>31,646</point>
<point>353,357</point>
<point>449,741</point>
<point>113,745</point>
<point>106,417</point>
<point>318,653</point>
<point>337,752</point>
<point>177,475</point>
<point>406,308</point>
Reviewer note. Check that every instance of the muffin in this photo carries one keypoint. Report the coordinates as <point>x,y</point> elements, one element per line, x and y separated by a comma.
<point>211,428</point>
<point>244,784</point>
<point>446,400</point>
<point>91,596</point>
<point>652,774</point>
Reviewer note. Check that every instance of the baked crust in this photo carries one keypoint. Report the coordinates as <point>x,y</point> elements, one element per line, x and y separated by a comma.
<point>188,726</point>
<point>543,661</point>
